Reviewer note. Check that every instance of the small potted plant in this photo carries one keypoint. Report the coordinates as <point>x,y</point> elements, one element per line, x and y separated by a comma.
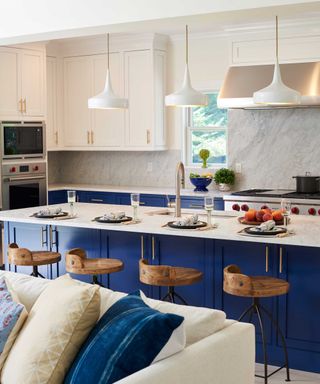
<point>204,155</point>
<point>224,177</point>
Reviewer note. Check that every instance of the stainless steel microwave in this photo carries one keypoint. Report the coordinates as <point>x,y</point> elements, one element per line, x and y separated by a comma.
<point>20,140</point>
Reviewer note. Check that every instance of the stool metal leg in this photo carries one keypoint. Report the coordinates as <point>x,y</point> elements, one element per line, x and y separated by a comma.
<point>96,281</point>
<point>170,296</point>
<point>57,269</point>
<point>283,341</point>
<point>264,343</point>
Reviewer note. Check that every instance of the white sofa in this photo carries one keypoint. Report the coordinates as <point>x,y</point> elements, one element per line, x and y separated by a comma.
<point>218,351</point>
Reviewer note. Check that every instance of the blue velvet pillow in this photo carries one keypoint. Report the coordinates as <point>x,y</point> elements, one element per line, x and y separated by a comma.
<point>126,339</point>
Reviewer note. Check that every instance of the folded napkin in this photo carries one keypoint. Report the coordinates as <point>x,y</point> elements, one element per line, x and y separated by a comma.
<point>266,226</point>
<point>189,220</point>
<point>114,216</point>
<point>49,211</point>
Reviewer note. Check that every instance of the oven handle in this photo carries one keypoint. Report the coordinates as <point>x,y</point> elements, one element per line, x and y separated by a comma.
<point>9,179</point>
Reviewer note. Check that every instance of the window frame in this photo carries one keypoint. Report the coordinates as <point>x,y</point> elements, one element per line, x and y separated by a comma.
<point>187,141</point>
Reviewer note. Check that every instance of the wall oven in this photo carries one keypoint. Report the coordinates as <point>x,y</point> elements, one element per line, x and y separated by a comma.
<point>20,140</point>
<point>23,185</point>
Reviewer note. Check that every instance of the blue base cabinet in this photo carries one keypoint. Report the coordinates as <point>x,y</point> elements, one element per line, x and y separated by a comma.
<point>148,200</point>
<point>298,312</point>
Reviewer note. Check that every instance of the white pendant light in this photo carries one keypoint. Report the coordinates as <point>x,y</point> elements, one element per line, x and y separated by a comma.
<point>277,93</point>
<point>107,98</point>
<point>186,96</point>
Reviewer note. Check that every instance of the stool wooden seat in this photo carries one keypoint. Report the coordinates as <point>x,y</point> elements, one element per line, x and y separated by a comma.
<point>237,284</point>
<point>168,276</point>
<point>77,262</point>
<point>24,257</point>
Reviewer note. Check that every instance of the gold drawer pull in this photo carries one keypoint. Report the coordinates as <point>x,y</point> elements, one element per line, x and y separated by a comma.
<point>280,259</point>
<point>267,258</point>
<point>142,247</point>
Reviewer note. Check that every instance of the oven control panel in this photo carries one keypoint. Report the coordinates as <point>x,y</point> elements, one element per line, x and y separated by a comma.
<point>23,168</point>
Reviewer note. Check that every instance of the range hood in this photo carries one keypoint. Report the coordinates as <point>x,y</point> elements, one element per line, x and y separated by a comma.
<point>242,81</point>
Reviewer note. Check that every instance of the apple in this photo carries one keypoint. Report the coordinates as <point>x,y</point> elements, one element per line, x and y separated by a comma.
<point>236,207</point>
<point>267,217</point>
<point>259,215</point>
<point>244,207</point>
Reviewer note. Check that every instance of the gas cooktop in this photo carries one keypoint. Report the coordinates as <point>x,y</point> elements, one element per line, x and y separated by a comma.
<point>280,193</point>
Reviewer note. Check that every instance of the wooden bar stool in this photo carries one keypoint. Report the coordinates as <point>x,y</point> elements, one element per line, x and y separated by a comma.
<point>24,257</point>
<point>167,276</point>
<point>237,284</point>
<point>77,262</point>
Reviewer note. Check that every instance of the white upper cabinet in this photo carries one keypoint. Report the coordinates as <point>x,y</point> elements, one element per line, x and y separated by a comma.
<point>77,90</point>
<point>10,92</point>
<point>137,69</point>
<point>32,83</point>
<point>51,123</point>
<point>22,75</point>
<point>108,124</point>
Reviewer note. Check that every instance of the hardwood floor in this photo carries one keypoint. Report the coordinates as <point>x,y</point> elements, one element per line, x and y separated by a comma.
<point>297,377</point>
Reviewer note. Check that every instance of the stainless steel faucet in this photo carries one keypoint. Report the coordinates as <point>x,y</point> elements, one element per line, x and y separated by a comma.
<point>180,182</point>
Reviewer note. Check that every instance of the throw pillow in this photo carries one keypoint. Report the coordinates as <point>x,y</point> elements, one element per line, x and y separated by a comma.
<point>127,338</point>
<point>59,322</point>
<point>12,316</point>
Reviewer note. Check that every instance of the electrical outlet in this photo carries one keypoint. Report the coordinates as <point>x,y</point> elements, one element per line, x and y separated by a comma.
<point>238,168</point>
<point>149,167</point>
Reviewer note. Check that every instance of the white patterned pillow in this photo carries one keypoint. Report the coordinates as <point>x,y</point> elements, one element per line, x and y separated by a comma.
<point>58,324</point>
<point>12,316</point>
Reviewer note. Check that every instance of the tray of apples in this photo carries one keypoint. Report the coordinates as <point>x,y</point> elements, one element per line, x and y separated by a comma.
<point>256,217</point>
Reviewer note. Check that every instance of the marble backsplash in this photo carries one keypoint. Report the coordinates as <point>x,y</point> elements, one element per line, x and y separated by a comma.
<point>115,168</point>
<point>274,145</point>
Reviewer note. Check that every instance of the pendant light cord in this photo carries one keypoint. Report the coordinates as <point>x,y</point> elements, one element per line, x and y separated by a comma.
<point>108,53</point>
<point>277,39</point>
<point>187,45</point>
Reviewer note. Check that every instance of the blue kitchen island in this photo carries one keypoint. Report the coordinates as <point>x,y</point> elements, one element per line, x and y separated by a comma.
<point>295,258</point>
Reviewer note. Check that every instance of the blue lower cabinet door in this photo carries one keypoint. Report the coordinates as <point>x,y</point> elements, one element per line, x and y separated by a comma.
<point>219,204</point>
<point>66,238</point>
<point>190,253</point>
<point>299,310</point>
<point>153,200</point>
<point>128,247</point>
<point>57,197</point>
<point>122,198</point>
<point>31,236</point>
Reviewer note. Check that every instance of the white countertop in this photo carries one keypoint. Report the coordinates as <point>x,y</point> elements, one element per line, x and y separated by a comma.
<point>306,228</point>
<point>137,189</point>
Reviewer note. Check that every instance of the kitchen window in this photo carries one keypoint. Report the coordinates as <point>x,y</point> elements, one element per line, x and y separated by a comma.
<point>206,127</point>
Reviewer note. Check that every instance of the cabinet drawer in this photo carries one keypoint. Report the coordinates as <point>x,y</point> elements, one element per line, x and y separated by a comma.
<point>153,200</point>
<point>57,197</point>
<point>192,202</point>
<point>100,197</point>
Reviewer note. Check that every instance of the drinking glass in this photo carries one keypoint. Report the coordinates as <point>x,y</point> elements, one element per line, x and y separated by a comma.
<point>208,206</point>
<point>286,210</point>
<point>71,200</point>
<point>135,201</point>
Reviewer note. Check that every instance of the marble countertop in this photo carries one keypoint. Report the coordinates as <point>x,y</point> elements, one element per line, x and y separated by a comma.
<point>306,228</point>
<point>137,189</point>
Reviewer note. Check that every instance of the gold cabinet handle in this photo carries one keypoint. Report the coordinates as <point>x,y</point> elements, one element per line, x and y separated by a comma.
<point>56,137</point>
<point>148,136</point>
<point>267,258</point>
<point>88,137</point>
<point>92,137</point>
<point>142,247</point>
<point>20,106</point>
<point>153,248</point>
<point>24,105</point>
<point>280,259</point>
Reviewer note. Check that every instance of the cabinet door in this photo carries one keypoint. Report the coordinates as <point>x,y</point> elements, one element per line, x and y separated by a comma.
<point>139,91</point>
<point>57,197</point>
<point>32,236</point>
<point>299,310</point>
<point>108,124</point>
<point>153,200</point>
<point>51,125</point>
<point>186,252</point>
<point>127,247</point>
<point>32,82</point>
<point>77,90</point>
<point>66,238</point>
<point>10,92</point>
